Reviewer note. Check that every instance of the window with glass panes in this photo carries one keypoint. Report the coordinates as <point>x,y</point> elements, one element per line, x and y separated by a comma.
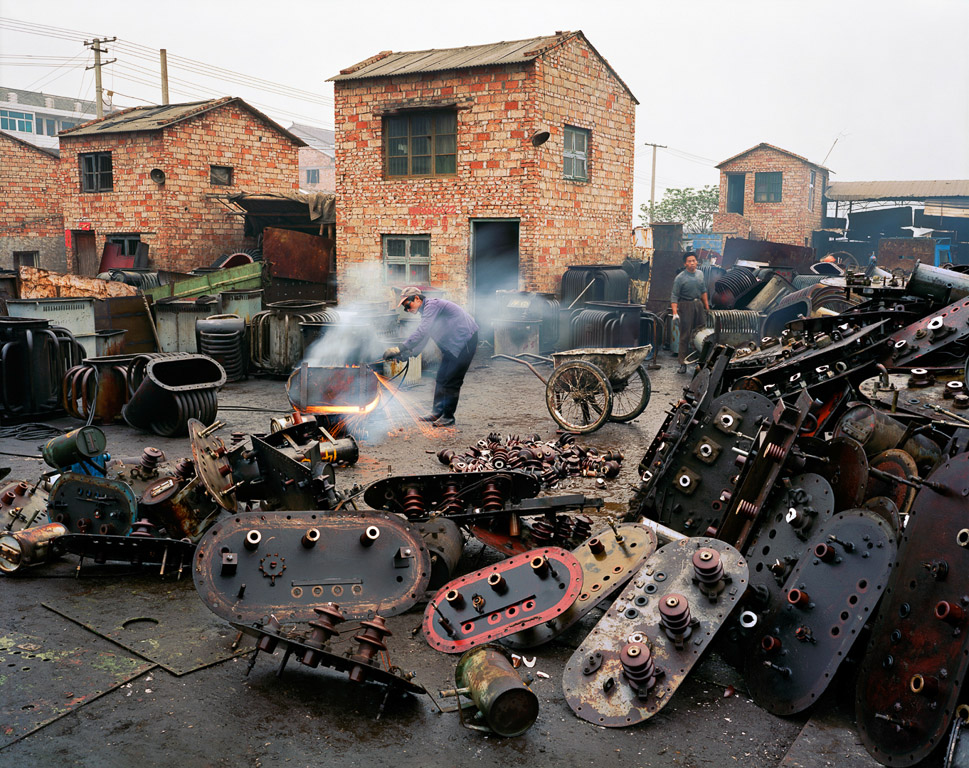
<point>575,159</point>
<point>96,174</point>
<point>421,143</point>
<point>407,259</point>
<point>767,187</point>
<point>16,121</point>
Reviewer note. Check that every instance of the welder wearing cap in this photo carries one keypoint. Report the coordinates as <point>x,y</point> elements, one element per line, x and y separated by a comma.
<point>455,332</point>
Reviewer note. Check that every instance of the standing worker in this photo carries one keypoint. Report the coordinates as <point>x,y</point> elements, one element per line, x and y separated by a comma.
<point>689,290</point>
<point>455,332</point>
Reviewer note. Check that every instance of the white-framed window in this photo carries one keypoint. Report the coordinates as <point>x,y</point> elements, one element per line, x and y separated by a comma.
<point>407,259</point>
<point>575,157</point>
<point>11,120</point>
<point>312,175</point>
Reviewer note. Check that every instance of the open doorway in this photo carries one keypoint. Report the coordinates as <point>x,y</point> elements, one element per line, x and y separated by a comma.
<point>494,267</point>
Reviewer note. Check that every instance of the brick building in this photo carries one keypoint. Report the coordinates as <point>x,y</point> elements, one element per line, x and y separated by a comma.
<point>37,117</point>
<point>768,193</point>
<point>482,168</point>
<point>154,176</point>
<point>31,225</point>
<point>317,160</point>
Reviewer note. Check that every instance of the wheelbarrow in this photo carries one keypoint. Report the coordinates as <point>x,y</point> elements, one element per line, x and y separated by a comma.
<point>588,387</point>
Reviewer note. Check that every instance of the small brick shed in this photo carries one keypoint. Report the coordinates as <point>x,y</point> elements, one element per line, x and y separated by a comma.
<point>155,175</point>
<point>478,168</point>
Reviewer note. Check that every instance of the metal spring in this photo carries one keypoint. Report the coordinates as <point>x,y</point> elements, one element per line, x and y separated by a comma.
<point>732,285</point>
<point>413,502</point>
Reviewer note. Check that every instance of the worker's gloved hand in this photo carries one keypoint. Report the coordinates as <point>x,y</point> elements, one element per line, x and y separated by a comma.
<point>391,353</point>
<point>675,316</point>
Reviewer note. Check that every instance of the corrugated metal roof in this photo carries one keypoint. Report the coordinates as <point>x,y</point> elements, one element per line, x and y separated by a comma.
<point>155,118</point>
<point>388,63</point>
<point>897,190</point>
<point>765,145</point>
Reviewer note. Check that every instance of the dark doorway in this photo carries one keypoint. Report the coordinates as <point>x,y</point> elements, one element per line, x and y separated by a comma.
<point>494,267</point>
<point>735,192</point>
<point>85,253</point>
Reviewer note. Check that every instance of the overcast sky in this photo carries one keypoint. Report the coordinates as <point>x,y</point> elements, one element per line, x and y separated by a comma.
<point>889,79</point>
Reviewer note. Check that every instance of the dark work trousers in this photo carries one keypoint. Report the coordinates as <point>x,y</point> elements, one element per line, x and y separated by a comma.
<point>450,377</point>
<point>692,317</point>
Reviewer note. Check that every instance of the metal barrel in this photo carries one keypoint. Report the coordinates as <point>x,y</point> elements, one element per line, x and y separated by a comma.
<point>70,448</point>
<point>509,706</point>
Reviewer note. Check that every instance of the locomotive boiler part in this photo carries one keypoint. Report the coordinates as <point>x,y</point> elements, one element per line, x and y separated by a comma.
<point>29,547</point>
<point>250,566</point>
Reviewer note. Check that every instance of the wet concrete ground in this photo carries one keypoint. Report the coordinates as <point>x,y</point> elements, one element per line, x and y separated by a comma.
<point>217,716</point>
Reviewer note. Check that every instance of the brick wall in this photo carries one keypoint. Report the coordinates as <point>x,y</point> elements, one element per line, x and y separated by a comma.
<point>500,175</point>
<point>310,158</point>
<point>30,212</point>
<point>788,221</point>
<point>184,227</point>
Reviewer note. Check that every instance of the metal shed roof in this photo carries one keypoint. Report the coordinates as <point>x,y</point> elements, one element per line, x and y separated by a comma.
<point>155,118</point>
<point>896,190</point>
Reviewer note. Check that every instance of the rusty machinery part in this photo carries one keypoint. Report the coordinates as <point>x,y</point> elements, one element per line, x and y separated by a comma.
<point>289,563</point>
<point>487,677</point>
<point>629,666</point>
<point>827,600</point>
<point>21,504</point>
<point>29,547</point>
<point>911,674</point>
<point>501,599</point>
<point>877,431</point>
<point>516,530</point>
<point>400,494</point>
<point>692,489</point>
<point>608,560</point>
<point>97,389</point>
<point>74,447</point>
<point>313,649</point>
<point>842,462</point>
<point>893,473</point>
<point>946,329</point>
<point>885,508</point>
<point>140,547</point>
<point>182,508</point>
<point>760,471</point>
<point>86,504</point>
<point>957,750</point>
<point>289,478</point>
<point>894,392</point>
<point>175,390</point>
<point>341,391</point>
<point>445,543</point>
<point>141,472</point>
<point>212,462</point>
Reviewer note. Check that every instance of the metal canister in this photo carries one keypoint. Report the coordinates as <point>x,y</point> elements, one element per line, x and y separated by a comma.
<point>33,546</point>
<point>76,445</point>
<point>508,706</point>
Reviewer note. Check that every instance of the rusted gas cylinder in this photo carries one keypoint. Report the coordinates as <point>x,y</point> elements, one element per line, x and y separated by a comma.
<point>33,546</point>
<point>74,446</point>
<point>508,706</point>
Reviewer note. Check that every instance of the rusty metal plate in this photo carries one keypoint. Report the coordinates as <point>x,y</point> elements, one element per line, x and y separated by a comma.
<point>22,505</point>
<point>910,677</point>
<point>886,509</point>
<point>931,400</point>
<point>173,555</point>
<point>312,653</point>
<point>508,597</point>
<point>289,482</point>
<point>845,466</point>
<point>630,665</point>
<point>86,504</point>
<point>161,621</point>
<point>608,560</point>
<point>285,564</point>
<point>212,462</point>
<point>896,463</point>
<point>417,496</point>
<point>297,255</point>
<point>829,597</point>
<point>957,751</point>
<point>929,334</point>
<point>44,679</point>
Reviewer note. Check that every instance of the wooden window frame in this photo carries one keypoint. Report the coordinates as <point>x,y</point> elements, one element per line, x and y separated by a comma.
<point>96,175</point>
<point>769,187</point>
<point>570,153</point>
<point>213,175</point>
<point>435,153</point>
<point>408,259</point>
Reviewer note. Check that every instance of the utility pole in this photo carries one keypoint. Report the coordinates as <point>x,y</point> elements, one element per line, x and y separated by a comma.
<point>95,45</point>
<point>164,74</point>
<point>652,180</point>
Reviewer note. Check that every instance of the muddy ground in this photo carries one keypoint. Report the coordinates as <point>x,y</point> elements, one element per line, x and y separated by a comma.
<point>105,706</point>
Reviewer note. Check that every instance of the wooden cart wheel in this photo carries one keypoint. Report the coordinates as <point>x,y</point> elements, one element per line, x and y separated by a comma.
<point>579,396</point>
<point>630,398</point>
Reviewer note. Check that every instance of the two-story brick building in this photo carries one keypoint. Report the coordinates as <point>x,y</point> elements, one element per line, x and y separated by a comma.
<point>155,175</point>
<point>31,225</point>
<point>768,193</point>
<point>317,160</point>
<point>479,168</point>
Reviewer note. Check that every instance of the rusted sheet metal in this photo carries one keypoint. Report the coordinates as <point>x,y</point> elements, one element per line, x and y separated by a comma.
<point>912,672</point>
<point>128,313</point>
<point>297,255</point>
<point>904,252</point>
<point>232,279</point>
<point>773,254</point>
<point>41,284</point>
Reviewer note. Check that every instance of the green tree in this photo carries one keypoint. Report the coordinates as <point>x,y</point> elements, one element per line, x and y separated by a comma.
<point>693,207</point>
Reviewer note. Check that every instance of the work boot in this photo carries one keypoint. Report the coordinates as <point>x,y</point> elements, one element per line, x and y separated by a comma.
<point>682,368</point>
<point>429,418</point>
<point>444,421</point>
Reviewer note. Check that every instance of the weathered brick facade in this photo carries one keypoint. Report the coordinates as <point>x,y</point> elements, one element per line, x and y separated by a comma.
<point>793,219</point>
<point>311,159</point>
<point>500,174</point>
<point>184,226</point>
<point>30,211</point>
